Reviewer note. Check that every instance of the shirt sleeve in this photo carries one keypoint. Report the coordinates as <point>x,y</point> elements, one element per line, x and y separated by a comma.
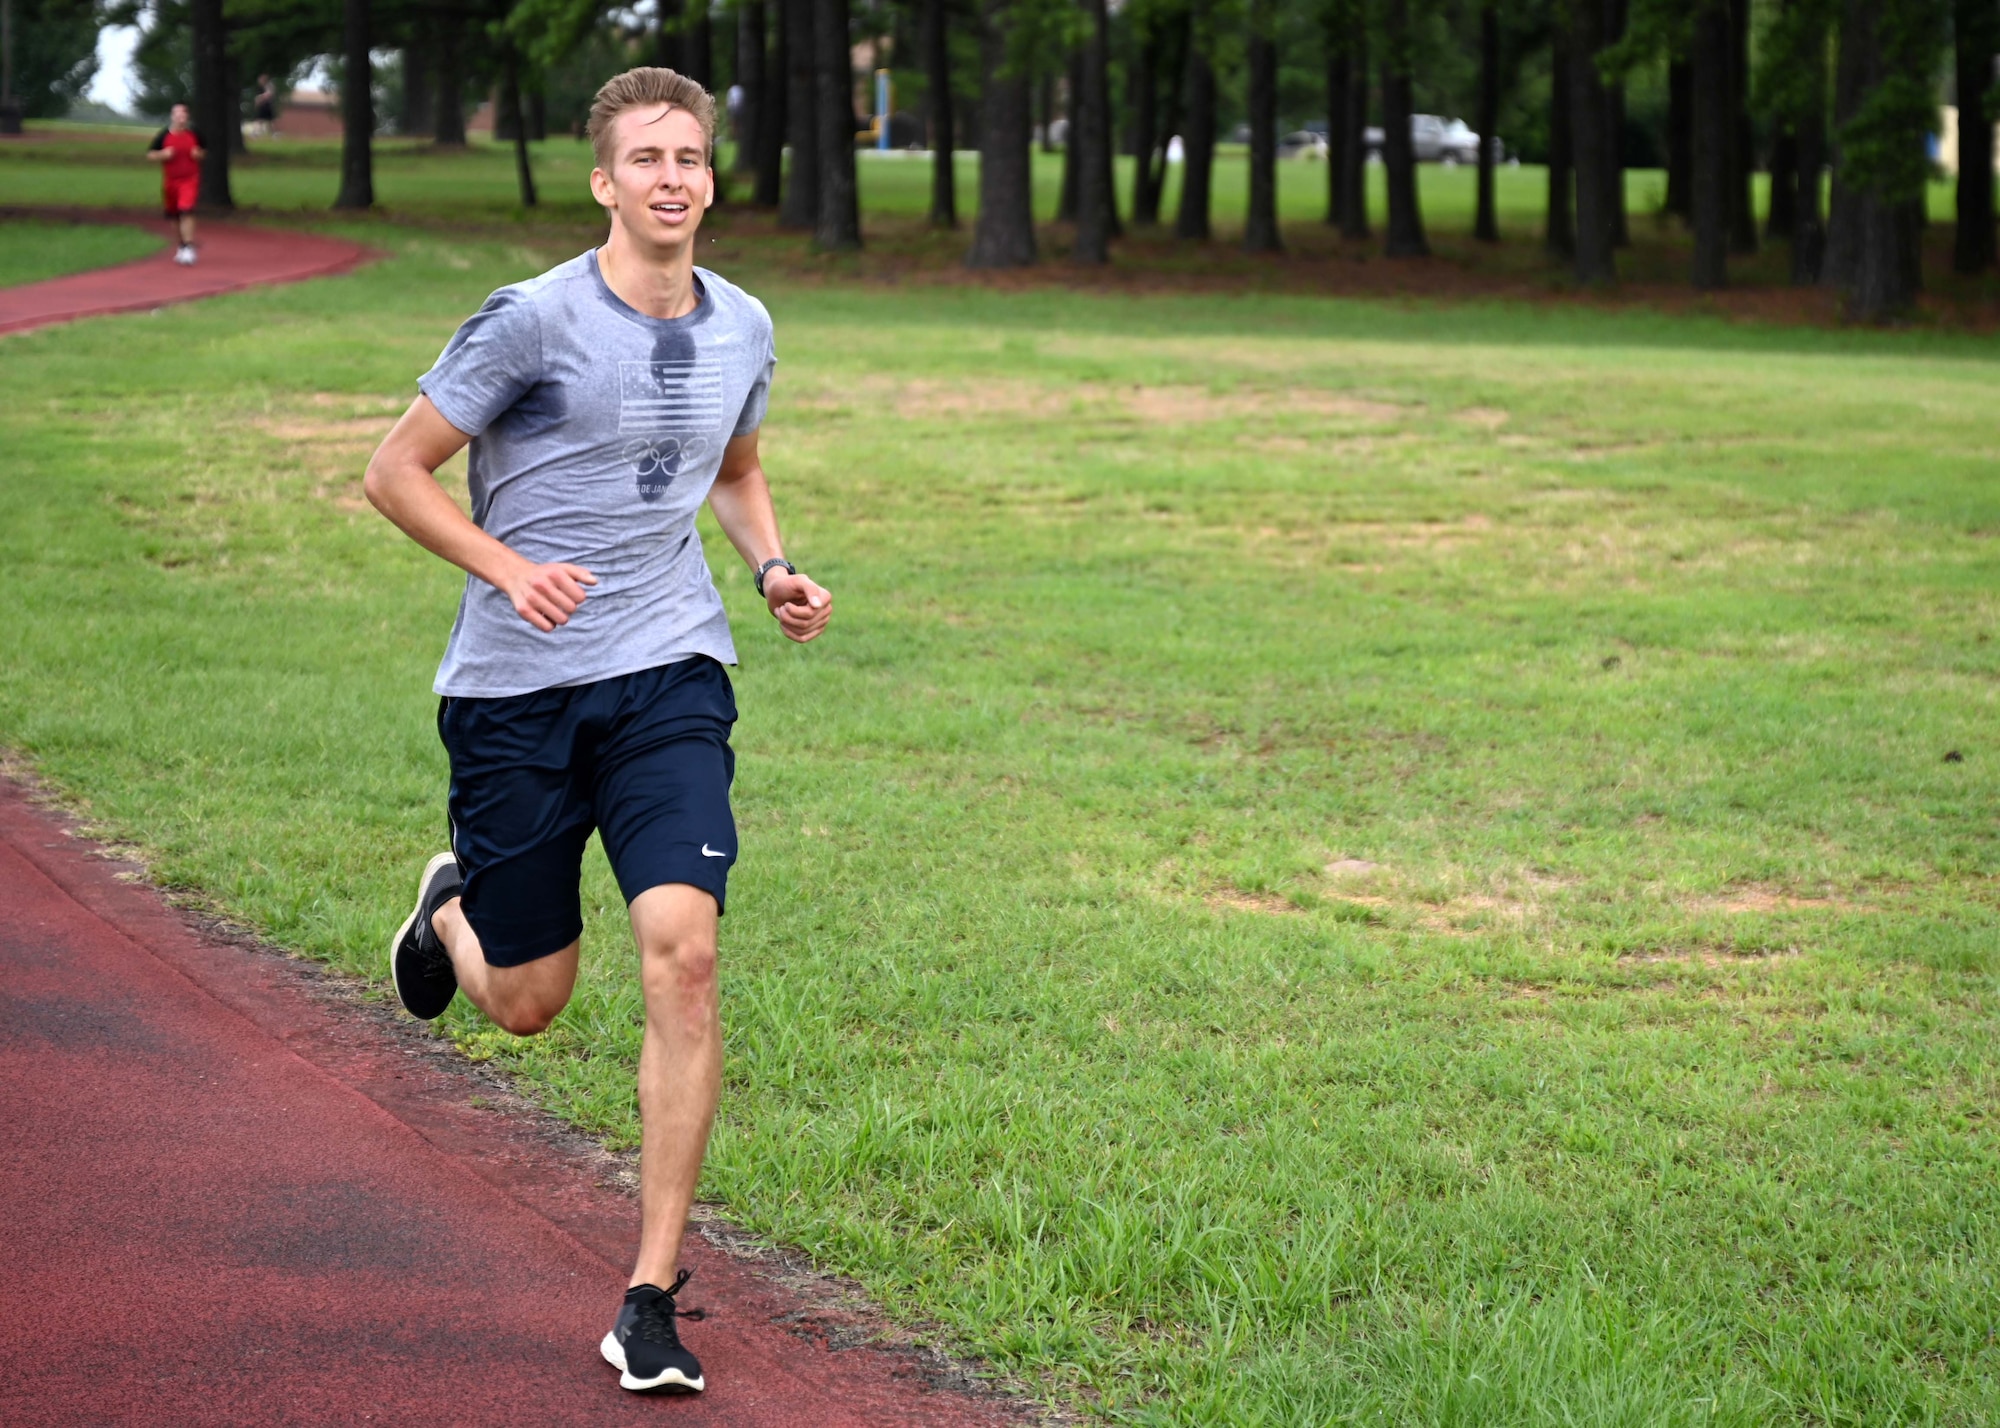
<point>159,142</point>
<point>759,399</point>
<point>197,139</point>
<point>491,362</point>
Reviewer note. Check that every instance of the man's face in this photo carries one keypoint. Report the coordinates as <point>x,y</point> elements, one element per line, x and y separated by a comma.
<point>177,118</point>
<point>659,184</point>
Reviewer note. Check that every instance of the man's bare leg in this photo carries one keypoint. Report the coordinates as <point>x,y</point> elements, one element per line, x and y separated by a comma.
<point>523,999</point>
<point>680,1065</point>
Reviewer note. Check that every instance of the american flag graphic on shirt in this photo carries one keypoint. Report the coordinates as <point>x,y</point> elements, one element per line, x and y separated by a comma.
<point>668,413</point>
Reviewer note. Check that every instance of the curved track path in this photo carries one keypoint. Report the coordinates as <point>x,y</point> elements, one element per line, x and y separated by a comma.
<point>232,257</point>
<point>231,1194</point>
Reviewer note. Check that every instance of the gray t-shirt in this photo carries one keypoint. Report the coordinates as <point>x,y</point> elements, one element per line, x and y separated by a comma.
<point>596,434</point>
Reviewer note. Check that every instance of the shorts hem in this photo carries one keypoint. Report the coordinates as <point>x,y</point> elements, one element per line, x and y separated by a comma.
<point>715,887</point>
<point>521,951</point>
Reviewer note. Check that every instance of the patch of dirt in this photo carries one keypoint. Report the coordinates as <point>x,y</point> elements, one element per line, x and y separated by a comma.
<point>1484,418</point>
<point>1229,899</point>
<point>330,435</point>
<point>1182,404</point>
<point>1759,898</point>
<point>1170,404</point>
<point>1720,955</point>
<point>1352,868</point>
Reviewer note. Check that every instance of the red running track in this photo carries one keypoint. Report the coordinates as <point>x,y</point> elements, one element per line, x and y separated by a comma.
<point>226,1198</point>
<point>232,257</point>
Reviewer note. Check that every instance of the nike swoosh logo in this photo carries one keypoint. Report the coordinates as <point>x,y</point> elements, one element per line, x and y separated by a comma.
<point>708,852</point>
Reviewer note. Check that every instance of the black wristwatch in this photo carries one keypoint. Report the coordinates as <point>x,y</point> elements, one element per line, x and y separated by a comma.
<point>765,569</point>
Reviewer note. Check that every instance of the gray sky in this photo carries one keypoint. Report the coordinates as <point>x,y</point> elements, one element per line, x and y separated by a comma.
<point>113,84</point>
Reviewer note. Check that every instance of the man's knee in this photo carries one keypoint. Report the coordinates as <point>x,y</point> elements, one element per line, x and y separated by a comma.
<point>683,961</point>
<point>675,926</point>
<point>526,1017</point>
<point>526,999</point>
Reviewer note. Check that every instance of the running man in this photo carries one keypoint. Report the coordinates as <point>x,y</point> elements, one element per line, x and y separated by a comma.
<point>178,150</point>
<point>583,685</point>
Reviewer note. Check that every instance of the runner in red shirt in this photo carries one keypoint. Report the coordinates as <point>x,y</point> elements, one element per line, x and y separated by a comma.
<point>178,150</point>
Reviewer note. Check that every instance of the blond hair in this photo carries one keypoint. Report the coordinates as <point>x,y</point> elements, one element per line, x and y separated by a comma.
<point>641,89</point>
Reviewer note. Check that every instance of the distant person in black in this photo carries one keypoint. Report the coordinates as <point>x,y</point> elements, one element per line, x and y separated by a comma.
<point>265,111</point>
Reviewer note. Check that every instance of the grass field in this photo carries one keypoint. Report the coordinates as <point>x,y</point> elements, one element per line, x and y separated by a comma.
<point>31,251</point>
<point>1408,863</point>
<point>96,165</point>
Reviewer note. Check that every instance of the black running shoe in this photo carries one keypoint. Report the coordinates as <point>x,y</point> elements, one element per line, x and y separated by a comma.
<point>645,1347</point>
<point>422,972</point>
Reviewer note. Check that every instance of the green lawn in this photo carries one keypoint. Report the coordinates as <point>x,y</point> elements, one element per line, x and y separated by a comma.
<point>1426,864</point>
<point>31,251</point>
<point>83,165</point>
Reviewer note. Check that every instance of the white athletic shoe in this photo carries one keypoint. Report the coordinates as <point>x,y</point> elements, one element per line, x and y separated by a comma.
<point>184,255</point>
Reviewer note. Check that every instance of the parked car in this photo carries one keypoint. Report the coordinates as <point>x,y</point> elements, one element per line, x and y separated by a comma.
<point>1302,144</point>
<point>1435,141</point>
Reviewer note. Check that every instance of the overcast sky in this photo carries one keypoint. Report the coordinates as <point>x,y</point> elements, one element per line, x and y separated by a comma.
<point>113,84</point>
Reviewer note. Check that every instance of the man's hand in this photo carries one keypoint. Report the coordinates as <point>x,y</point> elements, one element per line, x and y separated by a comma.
<point>802,607</point>
<point>547,595</point>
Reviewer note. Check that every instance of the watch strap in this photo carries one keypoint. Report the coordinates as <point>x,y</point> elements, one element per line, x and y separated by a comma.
<point>766,568</point>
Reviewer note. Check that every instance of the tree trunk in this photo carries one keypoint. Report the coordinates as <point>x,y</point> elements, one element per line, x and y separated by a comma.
<point>214,109</point>
<point>1978,36</point>
<point>448,126</point>
<point>838,228</point>
<point>1781,217</point>
<point>1198,143</point>
<point>773,119</point>
<point>1875,249</point>
<point>1045,89</point>
<point>1004,236</point>
<point>1072,140</point>
<point>1590,109</point>
<point>1710,143</point>
<point>750,45</point>
<point>1353,157</point>
<point>537,112</point>
<point>667,35</point>
<point>799,207</point>
<point>1105,150</point>
<point>1614,132</point>
<point>1560,234</point>
<point>1143,88</point>
<point>357,110</point>
<point>1840,265</point>
<point>698,46</point>
<point>419,109</point>
<point>1169,73</point>
<point>1680,139</point>
<point>1742,153</point>
<point>1093,190</point>
<point>1809,165</point>
<point>1339,75</point>
<point>1405,234</point>
<point>1485,221</point>
<point>232,89</point>
<point>937,68</point>
<point>517,121</point>
<point>1260,227</point>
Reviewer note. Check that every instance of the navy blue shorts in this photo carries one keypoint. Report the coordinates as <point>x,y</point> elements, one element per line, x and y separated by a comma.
<point>644,759</point>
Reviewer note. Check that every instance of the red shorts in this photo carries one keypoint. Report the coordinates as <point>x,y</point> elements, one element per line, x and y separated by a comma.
<point>180,195</point>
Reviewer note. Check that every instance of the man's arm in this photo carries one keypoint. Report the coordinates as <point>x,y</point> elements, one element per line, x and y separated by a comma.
<point>156,152</point>
<point>741,500</point>
<point>402,484</point>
